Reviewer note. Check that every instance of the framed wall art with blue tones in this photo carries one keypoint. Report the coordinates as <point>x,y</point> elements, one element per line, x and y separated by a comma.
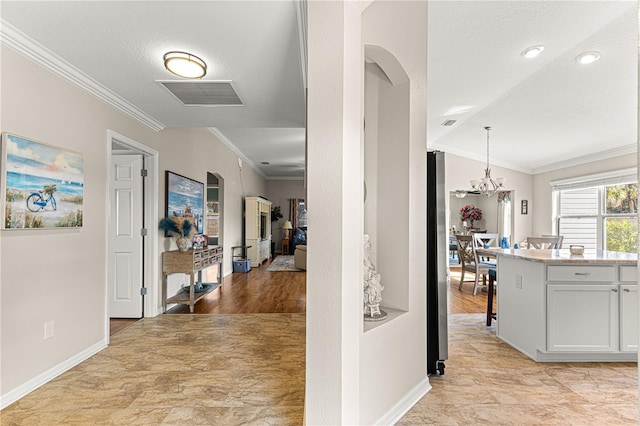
<point>42,185</point>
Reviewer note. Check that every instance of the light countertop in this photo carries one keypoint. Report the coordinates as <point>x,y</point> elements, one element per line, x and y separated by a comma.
<point>563,256</point>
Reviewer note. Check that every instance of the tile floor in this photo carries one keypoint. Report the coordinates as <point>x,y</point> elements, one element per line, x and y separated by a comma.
<point>249,370</point>
<point>486,381</point>
<point>179,370</point>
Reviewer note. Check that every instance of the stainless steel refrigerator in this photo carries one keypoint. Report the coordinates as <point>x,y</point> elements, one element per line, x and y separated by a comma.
<point>437,258</point>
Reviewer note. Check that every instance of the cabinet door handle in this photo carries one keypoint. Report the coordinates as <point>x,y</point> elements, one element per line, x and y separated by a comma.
<point>615,290</point>
<point>583,274</point>
<point>626,290</point>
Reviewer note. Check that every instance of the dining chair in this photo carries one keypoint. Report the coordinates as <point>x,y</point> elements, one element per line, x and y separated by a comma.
<point>485,240</point>
<point>470,262</point>
<point>547,243</point>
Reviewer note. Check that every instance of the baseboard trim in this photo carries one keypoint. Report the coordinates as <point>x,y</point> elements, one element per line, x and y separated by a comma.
<point>403,406</point>
<point>33,384</point>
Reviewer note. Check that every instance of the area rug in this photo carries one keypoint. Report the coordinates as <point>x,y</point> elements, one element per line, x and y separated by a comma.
<point>283,263</point>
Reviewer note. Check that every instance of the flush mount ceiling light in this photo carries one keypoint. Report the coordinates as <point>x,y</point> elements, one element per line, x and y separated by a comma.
<point>588,57</point>
<point>532,52</point>
<point>185,65</point>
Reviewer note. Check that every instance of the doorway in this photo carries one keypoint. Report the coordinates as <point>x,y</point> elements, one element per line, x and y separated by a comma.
<point>215,218</point>
<point>132,276</point>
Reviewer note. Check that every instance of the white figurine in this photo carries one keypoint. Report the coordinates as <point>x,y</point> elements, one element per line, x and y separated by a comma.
<point>372,287</point>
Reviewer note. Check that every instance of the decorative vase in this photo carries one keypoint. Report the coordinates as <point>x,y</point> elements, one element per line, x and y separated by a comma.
<point>182,243</point>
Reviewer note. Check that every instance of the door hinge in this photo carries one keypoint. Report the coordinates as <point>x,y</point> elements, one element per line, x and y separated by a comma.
<point>143,291</point>
<point>143,232</point>
<point>143,172</point>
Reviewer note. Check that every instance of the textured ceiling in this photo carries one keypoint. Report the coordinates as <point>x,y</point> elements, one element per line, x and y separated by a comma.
<point>120,44</point>
<point>545,112</point>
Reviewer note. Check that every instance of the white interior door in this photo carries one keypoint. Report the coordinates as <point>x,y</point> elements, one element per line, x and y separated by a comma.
<point>125,239</point>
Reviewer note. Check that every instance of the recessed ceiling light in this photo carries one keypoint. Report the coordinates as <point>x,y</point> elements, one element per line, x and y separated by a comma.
<point>265,163</point>
<point>459,109</point>
<point>532,52</point>
<point>185,65</point>
<point>588,57</point>
<point>449,122</point>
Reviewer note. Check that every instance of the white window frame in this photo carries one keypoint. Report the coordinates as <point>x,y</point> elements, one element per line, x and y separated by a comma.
<point>600,181</point>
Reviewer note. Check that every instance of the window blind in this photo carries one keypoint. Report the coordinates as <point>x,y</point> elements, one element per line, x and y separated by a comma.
<point>617,177</point>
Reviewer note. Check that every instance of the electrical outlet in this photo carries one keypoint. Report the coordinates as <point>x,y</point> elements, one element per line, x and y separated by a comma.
<point>49,329</point>
<point>519,282</point>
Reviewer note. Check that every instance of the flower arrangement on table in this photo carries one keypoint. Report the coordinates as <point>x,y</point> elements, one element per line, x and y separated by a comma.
<point>182,228</point>
<point>470,213</point>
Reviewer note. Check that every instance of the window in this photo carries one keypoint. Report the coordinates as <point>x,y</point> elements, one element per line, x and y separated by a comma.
<point>599,217</point>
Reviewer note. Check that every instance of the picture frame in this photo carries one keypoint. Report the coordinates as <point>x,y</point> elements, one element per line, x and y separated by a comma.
<point>42,185</point>
<point>524,207</point>
<point>184,197</point>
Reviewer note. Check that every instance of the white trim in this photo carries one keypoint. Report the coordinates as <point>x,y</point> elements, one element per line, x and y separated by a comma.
<point>23,44</point>
<point>41,379</point>
<point>405,404</point>
<point>151,281</point>
<point>607,178</point>
<point>479,157</point>
<point>598,156</point>
<point>217,133</point>
<point>301,15</point>
<point>285,178</point>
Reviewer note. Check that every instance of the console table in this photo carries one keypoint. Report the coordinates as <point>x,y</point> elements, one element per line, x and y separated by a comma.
<point>189,262</point>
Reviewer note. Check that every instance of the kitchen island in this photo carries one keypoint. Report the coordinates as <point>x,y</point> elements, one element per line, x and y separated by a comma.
<point>558,307</point>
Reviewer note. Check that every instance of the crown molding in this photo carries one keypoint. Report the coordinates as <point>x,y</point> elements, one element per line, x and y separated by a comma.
<point>482,159</point>
<point>597,156</point>
<point>284,178</point>
<point>217,133</point>
<point>31,49</point>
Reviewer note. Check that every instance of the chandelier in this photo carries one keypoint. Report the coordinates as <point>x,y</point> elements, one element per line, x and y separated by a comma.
<point>487,185</point>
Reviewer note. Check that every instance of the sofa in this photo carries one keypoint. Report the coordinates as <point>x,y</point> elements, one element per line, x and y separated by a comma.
<point>300,257</point>
<point>299,247</point>
<point>299,237</point>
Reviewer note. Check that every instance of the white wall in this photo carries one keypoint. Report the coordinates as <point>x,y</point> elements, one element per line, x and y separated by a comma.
<point>279,192</point>
<point>334,213</point>
<point>459,171</point>
<point>56,275</point>
<point>60,275</point>
<point>355,377</point>
<point>393,356</point>
<point>541,209</point>
<point>386,168</point>
<point>192,152</point>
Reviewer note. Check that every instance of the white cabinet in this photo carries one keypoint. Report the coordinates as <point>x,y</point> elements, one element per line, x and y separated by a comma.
<point>257,229</point>
<point>582,317</point>
<point>629,318</point>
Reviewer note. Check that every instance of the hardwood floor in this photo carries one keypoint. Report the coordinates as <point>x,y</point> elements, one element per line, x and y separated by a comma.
<point>119,324</point>
<point>255,292</point>
<point>463,301</point>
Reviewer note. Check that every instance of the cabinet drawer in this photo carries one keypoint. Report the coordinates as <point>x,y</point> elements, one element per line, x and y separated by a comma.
<point>629,273</point>
<point>581,273</point>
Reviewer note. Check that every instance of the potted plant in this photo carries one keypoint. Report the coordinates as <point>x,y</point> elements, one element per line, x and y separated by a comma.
<point>276,215</point>
<point>471,214</point>
<point>182,228</point>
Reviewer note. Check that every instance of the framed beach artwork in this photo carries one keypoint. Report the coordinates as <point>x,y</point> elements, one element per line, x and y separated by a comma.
<point>185,197</point>
<point>42,185</point>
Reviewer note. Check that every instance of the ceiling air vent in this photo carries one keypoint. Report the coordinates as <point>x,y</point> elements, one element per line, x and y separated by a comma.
<point>204,93</point>
<point>449,123</point>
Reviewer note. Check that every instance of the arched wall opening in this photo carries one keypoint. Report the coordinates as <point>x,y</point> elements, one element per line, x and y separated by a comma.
<point>386,172</point>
